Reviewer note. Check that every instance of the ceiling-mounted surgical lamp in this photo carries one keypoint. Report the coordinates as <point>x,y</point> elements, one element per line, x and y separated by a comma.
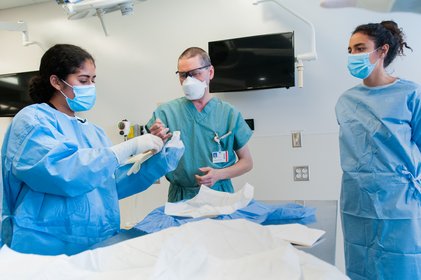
<point>299,58</point>
<point>77,9</point>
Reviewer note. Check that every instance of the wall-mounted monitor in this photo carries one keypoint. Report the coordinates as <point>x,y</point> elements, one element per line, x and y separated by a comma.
<point>255,62</point>
<point>14,92</point>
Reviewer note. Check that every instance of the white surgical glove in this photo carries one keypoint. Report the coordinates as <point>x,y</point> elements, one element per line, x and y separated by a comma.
<point>137,145</point>
<point>137,161</point>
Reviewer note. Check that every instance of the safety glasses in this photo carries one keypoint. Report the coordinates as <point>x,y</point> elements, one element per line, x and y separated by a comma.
<point>192,73</point>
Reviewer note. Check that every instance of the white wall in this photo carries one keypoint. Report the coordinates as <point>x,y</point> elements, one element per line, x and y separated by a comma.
<point>136,64</point>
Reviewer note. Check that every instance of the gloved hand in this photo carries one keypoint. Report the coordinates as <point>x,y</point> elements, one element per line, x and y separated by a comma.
<point>137,145</point>
<point>137,161</point>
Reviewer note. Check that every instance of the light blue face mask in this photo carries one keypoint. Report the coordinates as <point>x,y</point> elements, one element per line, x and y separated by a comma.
<point>85,97</point>
<point>359,65</point>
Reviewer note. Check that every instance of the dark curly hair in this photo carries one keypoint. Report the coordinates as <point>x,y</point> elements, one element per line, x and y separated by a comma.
<point>60,60</point>
<point>385,32</point>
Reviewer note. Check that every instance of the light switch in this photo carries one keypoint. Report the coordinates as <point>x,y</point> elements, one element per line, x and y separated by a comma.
<point>296,139</point>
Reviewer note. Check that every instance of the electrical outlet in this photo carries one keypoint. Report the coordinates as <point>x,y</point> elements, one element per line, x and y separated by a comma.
<point>301,173</point>
<point>296,139</point>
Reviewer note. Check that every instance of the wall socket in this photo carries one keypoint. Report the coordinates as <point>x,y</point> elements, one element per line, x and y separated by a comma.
<point>301,173</point>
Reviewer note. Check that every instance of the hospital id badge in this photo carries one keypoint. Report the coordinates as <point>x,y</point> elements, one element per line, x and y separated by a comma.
<point>220,157</point>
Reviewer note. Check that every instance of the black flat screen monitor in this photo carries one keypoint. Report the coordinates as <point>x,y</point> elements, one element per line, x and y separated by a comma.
<point>256,62</point>
<point>14,92</point>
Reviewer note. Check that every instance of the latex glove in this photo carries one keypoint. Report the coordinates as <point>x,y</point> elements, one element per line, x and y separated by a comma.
<point>137,145</point>
<point>137,161</point>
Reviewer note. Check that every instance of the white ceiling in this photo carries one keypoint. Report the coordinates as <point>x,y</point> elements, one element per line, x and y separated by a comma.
<point>7,4</point>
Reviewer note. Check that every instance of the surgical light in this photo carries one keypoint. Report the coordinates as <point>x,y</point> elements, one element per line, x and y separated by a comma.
<point>78,9</point>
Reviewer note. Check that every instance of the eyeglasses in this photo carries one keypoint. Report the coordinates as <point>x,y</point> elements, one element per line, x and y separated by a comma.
<point>192,73</point>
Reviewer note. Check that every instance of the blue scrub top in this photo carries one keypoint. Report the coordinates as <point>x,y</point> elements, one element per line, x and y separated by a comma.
<point>62,183</point>
<point>380,140</point>
<point>197,132</point>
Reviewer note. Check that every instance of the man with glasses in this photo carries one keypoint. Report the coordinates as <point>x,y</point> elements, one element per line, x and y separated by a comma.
<point>214,132</point>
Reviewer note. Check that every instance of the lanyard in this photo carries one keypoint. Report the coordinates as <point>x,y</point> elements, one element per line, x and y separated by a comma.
<point>218,139</point>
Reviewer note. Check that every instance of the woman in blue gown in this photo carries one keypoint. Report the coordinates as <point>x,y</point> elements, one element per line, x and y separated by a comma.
<point>62,178</point>
<point>380,140</point>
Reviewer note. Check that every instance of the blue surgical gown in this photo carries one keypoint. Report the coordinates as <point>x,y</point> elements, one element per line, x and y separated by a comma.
<point>62,183</point>
<point>255,211</point>
<point>413,6</point>
<point>197,132</point>
<point>380,140</point>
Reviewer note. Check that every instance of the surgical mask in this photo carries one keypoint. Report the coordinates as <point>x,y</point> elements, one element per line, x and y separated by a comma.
<point>85,97</point>
<point>193,88</point>
<point>359,65</point>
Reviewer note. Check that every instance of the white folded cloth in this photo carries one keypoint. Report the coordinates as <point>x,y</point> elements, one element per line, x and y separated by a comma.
<point>210,203</point>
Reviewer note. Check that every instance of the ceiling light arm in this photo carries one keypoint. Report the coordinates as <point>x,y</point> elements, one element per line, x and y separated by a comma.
<point>100,14</point>
<point>312,55</point>
<point>19,26</point>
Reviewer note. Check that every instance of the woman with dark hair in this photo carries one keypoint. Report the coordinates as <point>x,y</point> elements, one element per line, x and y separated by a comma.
<point>61,177</point>
<point>380,140</point>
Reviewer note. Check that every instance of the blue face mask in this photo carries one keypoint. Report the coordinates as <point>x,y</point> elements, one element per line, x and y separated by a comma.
<point>359,65</point>
<point>84,100</point>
